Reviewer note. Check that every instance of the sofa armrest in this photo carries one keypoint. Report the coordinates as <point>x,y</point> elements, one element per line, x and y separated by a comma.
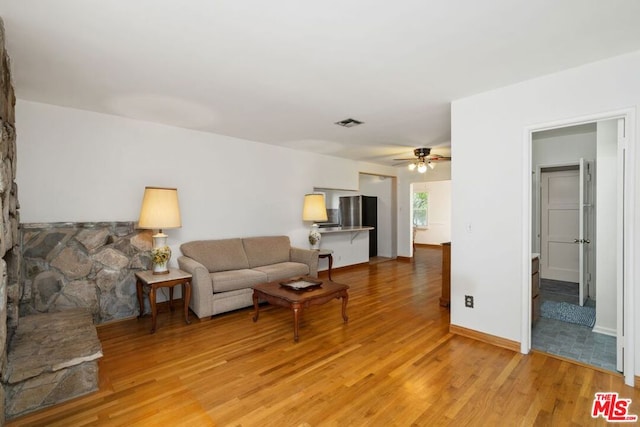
<point>306,256</point>
<point>201,285</point>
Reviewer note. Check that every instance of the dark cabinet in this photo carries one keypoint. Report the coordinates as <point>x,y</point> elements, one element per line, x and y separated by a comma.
<point>535,288</point>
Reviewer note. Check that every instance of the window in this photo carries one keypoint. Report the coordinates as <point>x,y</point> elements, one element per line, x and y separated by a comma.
<point>420,209</point>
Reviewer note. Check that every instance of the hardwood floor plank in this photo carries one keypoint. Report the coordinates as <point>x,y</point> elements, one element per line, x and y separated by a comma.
<point>393,364</point>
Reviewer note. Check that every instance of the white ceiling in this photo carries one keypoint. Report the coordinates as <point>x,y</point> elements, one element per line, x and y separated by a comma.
<point>283,71</point>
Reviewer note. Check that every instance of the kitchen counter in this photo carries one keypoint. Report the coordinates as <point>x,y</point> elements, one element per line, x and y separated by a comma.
<point>350,245</point>
<point>356,228</point>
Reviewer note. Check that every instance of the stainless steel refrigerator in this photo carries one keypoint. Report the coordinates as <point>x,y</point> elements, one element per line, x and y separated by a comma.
<point>361,211</point>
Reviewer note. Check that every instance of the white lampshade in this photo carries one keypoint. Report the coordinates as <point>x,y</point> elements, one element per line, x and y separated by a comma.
<point>422,168</point>
<point>160,208</point>
<point>314,208</point>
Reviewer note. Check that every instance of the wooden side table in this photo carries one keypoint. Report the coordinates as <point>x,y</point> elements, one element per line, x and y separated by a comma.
<point>327,253</point>
<point>445,298</point>
<point>155,281</point>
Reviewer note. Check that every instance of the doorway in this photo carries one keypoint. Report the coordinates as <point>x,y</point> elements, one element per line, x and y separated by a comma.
<point>430,212</point>
<point>565,225</point>
<point>379,192</point>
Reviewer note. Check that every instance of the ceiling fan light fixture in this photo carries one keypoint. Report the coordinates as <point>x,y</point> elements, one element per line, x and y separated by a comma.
<point>423,160</point>
<point>422,152</point>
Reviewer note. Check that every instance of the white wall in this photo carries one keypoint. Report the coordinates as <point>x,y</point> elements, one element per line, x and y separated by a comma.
<point>381,187</point>
<point>439,212</point>
<point>82,166</point>
<point>606,226</point>
<point>490,205</point>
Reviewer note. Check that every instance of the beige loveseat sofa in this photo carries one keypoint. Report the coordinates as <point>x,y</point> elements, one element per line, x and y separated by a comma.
<point>224,271</point>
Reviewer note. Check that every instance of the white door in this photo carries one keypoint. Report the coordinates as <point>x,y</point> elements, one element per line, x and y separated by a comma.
<point>560,225</point>
<point>584,238</point>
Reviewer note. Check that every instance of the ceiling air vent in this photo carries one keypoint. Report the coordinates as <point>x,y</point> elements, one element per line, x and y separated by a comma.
<point>349,123</point>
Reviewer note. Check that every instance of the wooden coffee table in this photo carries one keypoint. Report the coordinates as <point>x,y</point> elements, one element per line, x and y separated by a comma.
<point>297,300</point>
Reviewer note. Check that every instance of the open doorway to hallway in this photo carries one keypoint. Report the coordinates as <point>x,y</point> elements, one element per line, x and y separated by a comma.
<point>431,212</point>
<point>380,194</point>
<point>573,182</point>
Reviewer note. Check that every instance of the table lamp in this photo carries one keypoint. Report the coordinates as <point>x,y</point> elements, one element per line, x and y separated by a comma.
<point>160,210</point>
<point>314,209</point>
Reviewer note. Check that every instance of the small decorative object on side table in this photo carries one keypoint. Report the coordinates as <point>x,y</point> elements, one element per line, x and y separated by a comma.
<point>302,283</point>
<point>314,237</point>
<point>173,278</point>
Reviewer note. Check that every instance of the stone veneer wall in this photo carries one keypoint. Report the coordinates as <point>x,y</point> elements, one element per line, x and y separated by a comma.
<point>9,219</point>
<point>92,265</point>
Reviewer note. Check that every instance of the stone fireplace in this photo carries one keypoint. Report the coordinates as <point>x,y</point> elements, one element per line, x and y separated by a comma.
<point>86,265</point>
<point>9,219</point>
<point>56,281</point>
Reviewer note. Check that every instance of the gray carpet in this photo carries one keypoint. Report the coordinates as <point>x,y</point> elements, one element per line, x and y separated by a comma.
<point>570,313</point>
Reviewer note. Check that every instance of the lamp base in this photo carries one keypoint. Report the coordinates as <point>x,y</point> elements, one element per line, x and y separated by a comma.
<point>160,254</point>
<point>314,237</point>
<point>159,240</point>
<point>160,272</point>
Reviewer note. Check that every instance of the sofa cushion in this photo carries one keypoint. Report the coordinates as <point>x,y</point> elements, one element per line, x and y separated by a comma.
<point>232,280</point>
<point>266,250</point>
<point>217,255</point>
<point>284,270</point>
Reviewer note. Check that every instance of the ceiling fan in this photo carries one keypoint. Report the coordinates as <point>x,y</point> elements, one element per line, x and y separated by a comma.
<point>423,159</point>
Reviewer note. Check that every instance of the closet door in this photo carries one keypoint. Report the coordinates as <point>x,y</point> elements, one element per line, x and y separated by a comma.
<point>560,225</point>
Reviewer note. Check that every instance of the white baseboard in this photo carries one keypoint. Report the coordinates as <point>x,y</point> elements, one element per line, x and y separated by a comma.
<point>604,331</point>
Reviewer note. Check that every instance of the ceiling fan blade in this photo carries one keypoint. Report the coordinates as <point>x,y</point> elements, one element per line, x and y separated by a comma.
<point>422,155</point>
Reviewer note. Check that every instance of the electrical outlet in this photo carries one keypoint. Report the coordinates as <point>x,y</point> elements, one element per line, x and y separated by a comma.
<point>468,301</point>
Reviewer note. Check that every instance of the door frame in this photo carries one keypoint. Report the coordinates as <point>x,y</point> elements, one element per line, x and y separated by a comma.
<point>626,264</point>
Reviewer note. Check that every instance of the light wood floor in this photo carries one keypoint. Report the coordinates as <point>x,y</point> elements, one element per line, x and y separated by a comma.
<point>394,363</point>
